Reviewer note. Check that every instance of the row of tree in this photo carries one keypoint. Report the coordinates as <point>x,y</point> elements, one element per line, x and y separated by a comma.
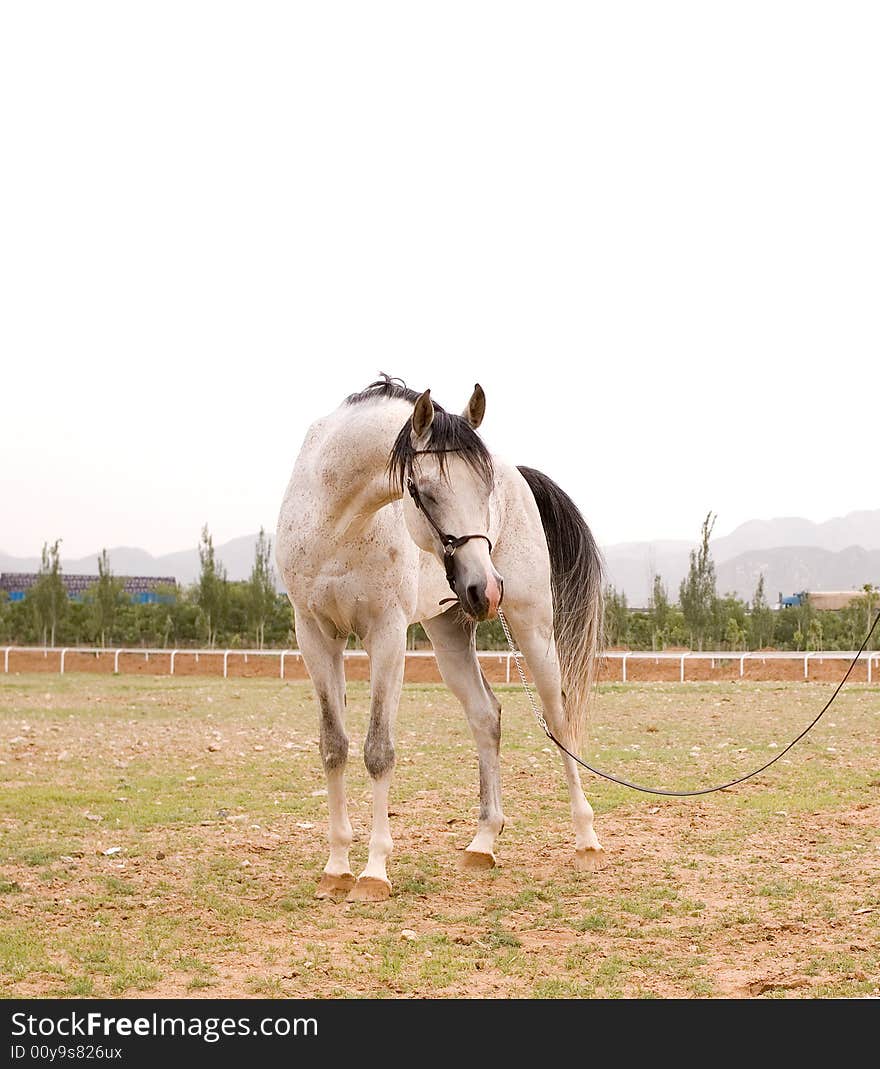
<point>703,619</point>
<point>211,612</point>
<point>216,612</point>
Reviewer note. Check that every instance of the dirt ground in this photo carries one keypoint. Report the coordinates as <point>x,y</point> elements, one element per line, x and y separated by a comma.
<point>163,837</point>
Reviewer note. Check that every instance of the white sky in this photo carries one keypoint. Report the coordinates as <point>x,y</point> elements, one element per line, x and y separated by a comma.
<point>651,232</point>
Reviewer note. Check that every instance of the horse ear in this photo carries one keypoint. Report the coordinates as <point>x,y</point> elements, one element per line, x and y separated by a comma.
<point>423,415</point>
<point>476,407</point>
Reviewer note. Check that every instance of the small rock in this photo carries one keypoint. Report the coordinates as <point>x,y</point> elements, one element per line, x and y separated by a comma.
<point>320,794</point>
<point>245,864</point>
<point>259,748</point>
<point>160,856</point>
<point>409,935</point>
<point>93,816</point>
<point>190,779</point>
<point>66,858</point>
<point>213,747</point>
<point>111,851</point>
<point>305,825</point>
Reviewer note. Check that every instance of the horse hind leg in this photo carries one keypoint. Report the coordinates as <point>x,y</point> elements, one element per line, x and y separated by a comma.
<point>540,653</point>
<point>323,659</point>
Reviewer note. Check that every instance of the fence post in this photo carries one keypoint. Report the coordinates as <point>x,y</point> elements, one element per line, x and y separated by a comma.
<point>283,655</point>
<point>623,666</point>
<point>681,669</point>
<point>116,662</point>
<point>173,655</point>
<point>63,652</point>
<point>6,660</point>
<point>225,663</point>
<point>742,663</point>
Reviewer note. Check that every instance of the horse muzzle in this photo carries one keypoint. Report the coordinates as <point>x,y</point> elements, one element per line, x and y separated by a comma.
<point>481,600</point>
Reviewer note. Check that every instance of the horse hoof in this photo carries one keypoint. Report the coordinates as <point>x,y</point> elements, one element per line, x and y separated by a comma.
<point>330,886</point>
<point>478,860</point>
<point>370,889</point>
<point>590,859</point>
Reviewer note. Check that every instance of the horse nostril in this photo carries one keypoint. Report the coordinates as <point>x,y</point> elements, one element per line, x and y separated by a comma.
<point>475,596</point>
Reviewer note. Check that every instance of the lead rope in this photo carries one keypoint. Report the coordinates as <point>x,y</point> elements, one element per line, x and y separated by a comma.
<point>539,716</point>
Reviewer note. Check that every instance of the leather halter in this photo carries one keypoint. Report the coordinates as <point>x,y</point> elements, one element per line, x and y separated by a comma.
<point>449,542</point>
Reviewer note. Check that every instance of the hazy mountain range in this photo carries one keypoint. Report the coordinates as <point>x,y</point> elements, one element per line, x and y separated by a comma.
<point>792,553</point>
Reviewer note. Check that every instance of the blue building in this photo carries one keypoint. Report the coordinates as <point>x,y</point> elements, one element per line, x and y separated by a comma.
<point>141,589</point>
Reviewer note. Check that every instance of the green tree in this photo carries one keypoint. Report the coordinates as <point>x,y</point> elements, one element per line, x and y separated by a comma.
<point>47,597</point>
<point>212,595</point>
<point>616,617</point>
<point>870,601</point>
<point>661,613</point>
<point>697,591</point>
<point>734,635</point>
<point>261,593</point>
<point>761,618</point>
<point>104,599</point>
<point>729,626</point>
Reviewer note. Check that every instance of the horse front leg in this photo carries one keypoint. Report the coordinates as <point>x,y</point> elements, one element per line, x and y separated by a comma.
<point>386,646</point>
<point>324,661</point>
<point>454,649</point>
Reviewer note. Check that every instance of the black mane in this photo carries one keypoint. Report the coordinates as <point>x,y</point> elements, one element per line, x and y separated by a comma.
<point>384,387</point>
<point>449,434</point>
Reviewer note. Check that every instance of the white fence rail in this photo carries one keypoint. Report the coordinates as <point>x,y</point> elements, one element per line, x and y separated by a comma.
<point>871,659</point>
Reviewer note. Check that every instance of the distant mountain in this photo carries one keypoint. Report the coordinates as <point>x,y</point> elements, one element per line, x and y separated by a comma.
<point>790,569</point>
<point>793,553</point>
<point>632,565</point>
<point>237,556</point>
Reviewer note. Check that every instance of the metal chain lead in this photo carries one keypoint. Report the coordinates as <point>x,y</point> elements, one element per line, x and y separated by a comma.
<point>539,716</point>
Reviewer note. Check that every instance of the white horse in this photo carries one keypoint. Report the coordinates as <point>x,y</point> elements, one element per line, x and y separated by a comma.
<point>362,546</point>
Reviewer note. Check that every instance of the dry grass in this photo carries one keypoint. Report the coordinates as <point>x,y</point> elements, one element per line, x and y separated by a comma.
<point>212,792</point>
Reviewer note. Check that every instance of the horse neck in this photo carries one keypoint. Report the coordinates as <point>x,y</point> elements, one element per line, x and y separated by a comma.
<point>354,458</point>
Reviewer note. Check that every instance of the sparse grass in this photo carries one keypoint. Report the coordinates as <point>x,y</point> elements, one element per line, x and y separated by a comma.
<point>212,792</point>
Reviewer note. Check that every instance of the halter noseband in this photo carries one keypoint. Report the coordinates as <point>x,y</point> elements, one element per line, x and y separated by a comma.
<point>449,542</point>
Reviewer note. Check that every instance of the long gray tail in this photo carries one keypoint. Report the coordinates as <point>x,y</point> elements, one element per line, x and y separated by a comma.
<point>576,579</point>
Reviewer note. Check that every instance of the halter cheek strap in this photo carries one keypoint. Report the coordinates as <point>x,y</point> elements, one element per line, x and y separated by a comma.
<point>450,542</point>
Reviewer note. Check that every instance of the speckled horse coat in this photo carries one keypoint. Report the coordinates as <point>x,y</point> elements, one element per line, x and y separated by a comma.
<point>356,555</point>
